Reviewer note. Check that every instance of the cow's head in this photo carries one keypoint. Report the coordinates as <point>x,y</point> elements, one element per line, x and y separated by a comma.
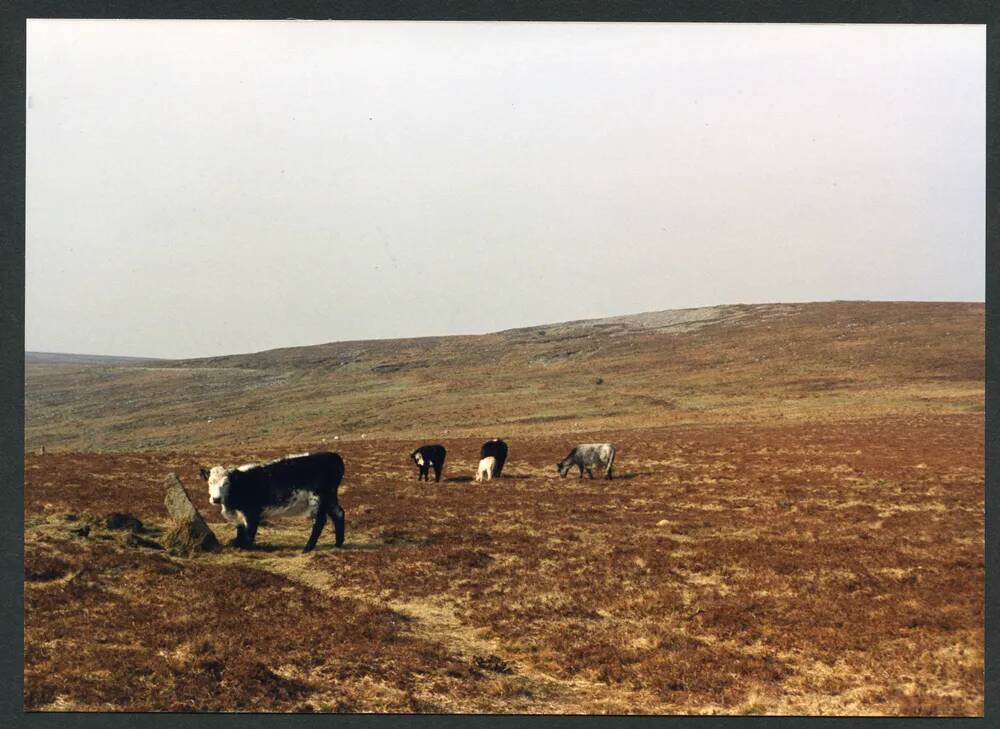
<point>564,467</point>
<point>218,483</point>
<point>417,457</point>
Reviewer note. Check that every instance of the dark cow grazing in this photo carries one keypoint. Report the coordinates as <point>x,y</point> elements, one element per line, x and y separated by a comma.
<point>587,456</point>
<point>291,486</point>
<point>498,450</point>
<point>427,457</point>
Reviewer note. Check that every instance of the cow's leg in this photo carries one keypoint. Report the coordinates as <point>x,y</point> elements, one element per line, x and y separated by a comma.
<point>437,472</point>
<point>607,474</point>
<point>321,512</point>
<point>252,524</point>
<point>590,473</point>
<point>581,469</point>
<point>242,540</point>
<point>246,532</point>
<point>337,517</point>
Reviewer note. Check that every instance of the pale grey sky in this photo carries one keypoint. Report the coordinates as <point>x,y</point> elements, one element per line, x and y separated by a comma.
<point>203,187</point>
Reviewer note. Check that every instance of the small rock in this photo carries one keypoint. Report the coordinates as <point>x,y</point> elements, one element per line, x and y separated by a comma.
<point>81,531</point>
<point>492,663</point>
<point>122,520</point>
<point>662,522</point>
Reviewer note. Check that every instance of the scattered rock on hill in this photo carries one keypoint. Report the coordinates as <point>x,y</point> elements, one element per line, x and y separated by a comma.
<point>189,534</point>
<point>492,663</point>
<point>120,520</point>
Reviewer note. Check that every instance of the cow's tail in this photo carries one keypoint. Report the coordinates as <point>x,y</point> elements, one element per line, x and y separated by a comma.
<point>611,462</point>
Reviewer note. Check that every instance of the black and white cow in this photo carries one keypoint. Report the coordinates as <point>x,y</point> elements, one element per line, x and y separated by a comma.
<point>291,486</point>
<point>498,450</point>
<point>588,456</point>
<point>427,457</point>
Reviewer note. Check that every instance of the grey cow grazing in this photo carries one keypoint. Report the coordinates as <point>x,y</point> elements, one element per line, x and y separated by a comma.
<point>588,456</point>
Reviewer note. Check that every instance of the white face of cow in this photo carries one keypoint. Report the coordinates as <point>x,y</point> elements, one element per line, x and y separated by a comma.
<point>218,484</point>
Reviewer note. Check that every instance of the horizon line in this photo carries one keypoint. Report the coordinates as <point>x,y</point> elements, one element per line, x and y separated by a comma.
<point>497,331</point>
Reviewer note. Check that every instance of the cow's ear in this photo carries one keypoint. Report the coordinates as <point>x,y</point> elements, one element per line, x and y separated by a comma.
<point>203,473</point>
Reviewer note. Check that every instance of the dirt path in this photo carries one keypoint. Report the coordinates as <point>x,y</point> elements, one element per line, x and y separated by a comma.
<point>436,621</point>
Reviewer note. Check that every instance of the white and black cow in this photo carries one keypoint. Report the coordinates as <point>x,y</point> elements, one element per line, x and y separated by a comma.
<point>498,450</point>
<point>427,457</point>
<point>290,486</point>
<point>588,456</point>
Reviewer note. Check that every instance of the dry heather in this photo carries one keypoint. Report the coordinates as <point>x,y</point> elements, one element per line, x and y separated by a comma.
<point>831,567</point>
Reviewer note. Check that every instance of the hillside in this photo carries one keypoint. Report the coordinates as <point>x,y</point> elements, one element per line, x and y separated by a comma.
<point>836,360</point>
<point>795,526</point>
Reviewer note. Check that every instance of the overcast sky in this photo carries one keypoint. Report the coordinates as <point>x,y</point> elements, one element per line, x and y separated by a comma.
<point>202,187</point>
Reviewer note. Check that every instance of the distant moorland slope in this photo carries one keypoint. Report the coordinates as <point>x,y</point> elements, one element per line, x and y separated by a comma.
<point>66,358</point>
<point>836,360</point>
